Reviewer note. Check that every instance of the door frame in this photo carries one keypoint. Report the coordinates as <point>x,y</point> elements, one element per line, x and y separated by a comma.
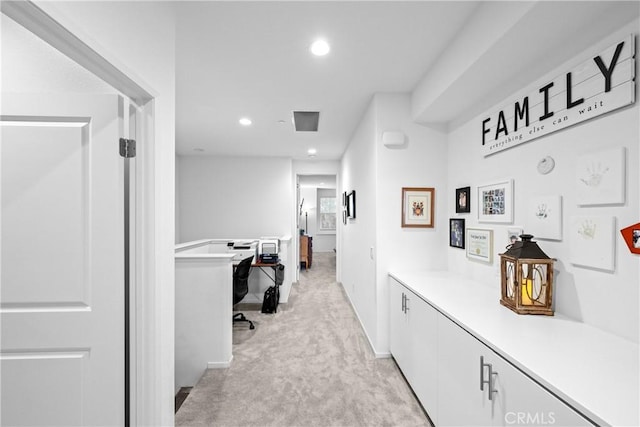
<point>146,339</point>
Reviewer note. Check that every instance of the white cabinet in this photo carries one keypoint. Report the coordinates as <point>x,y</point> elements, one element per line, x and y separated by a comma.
<point>413,342</point>
<point>458,379</point>
<point>460,400</point>
<point>399,334</point>
<point>518,400</point>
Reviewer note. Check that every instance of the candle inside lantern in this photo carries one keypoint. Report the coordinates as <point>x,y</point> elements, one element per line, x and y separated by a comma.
<point>527,291</point>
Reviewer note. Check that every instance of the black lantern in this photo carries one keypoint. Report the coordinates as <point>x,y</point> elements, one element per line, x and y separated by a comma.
<point>526,274</point>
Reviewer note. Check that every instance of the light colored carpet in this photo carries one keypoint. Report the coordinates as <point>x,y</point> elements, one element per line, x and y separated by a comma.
<point>308,365</point>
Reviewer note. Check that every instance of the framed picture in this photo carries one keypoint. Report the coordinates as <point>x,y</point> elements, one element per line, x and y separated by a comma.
<point>495,202</point>
<point>463,200</point>
<point>631,236</point>
<point>480,244</point>
<point>417,207</point>
<point>600,177</point>
<point>544,217</point>
<point>351,205</point>
<point>592,241</point>
<point>456,232</point>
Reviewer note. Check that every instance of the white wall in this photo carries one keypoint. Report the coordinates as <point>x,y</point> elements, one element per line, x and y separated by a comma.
<point>357,239</point>
<point>109,28</point>
<point>421,162</point>
<point>378,173</point>
<point>308,196</point>
<point>322,241</point>
<point>234,197</point>
<point>607,300</point>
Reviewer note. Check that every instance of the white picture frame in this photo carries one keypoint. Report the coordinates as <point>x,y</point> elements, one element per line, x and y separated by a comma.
<point>479,244</point>
<point>544,217</point>
<point>600,177</point>
<point>495,202</point>
<point>592,241</point>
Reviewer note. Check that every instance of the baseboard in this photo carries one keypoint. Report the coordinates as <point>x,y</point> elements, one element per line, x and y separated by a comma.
<point>219,365</point>
<point>377,354</point>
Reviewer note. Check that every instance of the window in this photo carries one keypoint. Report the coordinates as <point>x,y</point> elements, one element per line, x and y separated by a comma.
<point>327,216</point>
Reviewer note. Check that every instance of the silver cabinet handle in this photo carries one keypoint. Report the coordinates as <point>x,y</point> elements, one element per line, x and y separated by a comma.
<point>482,381</point>
<point>489,380</point>
<point>403,301</point>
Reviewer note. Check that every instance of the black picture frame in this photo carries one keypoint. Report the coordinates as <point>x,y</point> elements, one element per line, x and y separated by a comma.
<point>351,205</point>
<point>456,233</point>
<point>463,200</point>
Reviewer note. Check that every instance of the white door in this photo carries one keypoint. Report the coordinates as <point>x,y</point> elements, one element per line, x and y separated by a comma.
<point>62,289</point>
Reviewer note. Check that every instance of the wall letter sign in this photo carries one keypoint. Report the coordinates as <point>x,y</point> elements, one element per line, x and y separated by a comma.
<point>602,84</point>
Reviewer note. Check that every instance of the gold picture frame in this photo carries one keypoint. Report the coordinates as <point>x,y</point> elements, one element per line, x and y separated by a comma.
<point>417,207</point>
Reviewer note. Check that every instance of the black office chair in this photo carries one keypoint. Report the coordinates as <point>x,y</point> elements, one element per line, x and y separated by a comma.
<point>241,287</point>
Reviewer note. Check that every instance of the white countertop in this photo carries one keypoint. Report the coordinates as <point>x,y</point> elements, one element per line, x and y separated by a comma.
<point>592,370</point>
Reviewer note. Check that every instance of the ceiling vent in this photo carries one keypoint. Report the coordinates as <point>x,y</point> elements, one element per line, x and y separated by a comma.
<point>306,121</point>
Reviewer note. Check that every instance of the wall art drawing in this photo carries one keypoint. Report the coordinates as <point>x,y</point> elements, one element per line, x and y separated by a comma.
<point>600,177</point>
<point>592,241</point>
<point>544,217</point>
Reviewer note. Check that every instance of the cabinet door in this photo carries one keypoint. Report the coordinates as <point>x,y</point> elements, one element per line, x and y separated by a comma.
<point>460,400</point>
<point>520,401</point>
<point>399,340</point>
<point>424,355</point>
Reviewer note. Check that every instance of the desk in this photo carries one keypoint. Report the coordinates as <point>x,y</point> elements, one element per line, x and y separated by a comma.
<point>261,266</point>
<point>204,305</point>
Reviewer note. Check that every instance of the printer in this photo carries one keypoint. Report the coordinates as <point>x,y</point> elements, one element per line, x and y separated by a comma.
<point>268,249</point>
<point>243,249</point>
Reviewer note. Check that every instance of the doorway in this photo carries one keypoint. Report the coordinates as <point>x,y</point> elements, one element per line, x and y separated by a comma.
<point>70,248</point>
<point>318,213</point>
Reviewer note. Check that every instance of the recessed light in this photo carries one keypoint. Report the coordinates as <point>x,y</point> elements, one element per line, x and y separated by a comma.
<point>320,47</point>
<point>244,121</point>
<point>312,151</point>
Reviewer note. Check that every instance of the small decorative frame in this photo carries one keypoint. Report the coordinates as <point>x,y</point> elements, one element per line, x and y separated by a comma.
<point>480,244</point>
<point>600,177</point>
<point>417,207</point>
<point>351,205</point>
<point>592,241</point>
<point>463,200</point>
<point>631,236</point>
<point>495,202</point>
<point>544,217</point>
<point>456,232</point>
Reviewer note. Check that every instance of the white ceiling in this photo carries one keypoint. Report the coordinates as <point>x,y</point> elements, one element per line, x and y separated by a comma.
<point>237,59</point>
<point>252,59</point>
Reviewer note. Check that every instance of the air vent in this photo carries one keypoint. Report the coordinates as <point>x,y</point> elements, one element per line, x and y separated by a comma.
<point>306,121</point>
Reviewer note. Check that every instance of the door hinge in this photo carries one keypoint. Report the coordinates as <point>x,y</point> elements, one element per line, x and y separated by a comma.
<point>127,148</point>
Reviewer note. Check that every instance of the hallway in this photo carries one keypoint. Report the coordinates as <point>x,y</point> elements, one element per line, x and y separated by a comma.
<point>308,365</point>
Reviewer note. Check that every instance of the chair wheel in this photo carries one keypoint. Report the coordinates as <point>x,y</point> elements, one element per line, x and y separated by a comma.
<point>251,326</point>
